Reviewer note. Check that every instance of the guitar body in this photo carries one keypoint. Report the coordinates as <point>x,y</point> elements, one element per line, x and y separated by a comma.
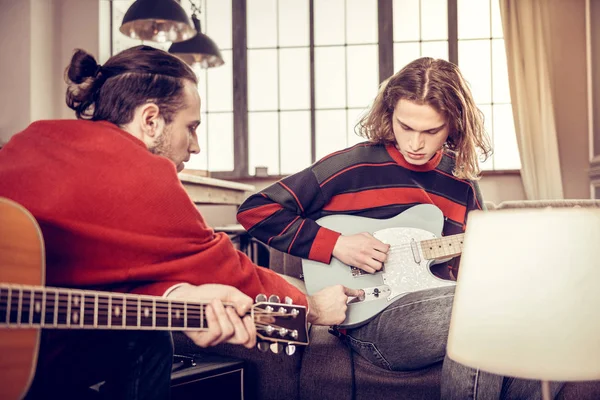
<point>405,271</point>
<point>22,262</point>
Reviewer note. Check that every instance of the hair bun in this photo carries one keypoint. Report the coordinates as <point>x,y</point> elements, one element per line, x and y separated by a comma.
<point>83,66</point>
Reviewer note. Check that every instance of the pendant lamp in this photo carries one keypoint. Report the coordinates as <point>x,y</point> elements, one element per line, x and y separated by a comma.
<point>158,21</point>
<point>200,49</point>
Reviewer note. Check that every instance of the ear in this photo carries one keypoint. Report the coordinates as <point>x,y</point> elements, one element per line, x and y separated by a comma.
<point>149,120</point>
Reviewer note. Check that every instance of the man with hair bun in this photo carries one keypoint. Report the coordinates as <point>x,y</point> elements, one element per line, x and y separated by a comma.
<point>115,217</point>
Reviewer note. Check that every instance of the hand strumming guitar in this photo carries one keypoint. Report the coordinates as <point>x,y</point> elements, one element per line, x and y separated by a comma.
<point>362,251</point>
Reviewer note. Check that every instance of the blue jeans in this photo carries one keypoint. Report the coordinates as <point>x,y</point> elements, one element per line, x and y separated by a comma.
<point>412,333</point>
<point>133,365</point>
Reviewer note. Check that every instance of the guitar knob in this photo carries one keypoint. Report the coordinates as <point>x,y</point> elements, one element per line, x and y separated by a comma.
<point>263,346</point>
<point>283,332</point>
<point>273,298</point>
<point>290,349</point>
<point>294,334</point>
<point>269,329</point>
<point>260,298</point>
<point>282,311</point>
<point>288,300</point>
<point>276,348</point>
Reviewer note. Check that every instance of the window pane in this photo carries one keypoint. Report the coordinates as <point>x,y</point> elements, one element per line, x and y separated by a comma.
<point>405,53</point>
<point>505,139</point>
<point>294,69</point>
<point>295,141</point>
<point>330,77</point>
<point>330,131</point>
<point>263,141</point>
<point>218,22</point>
<point>261,23</point>
<point>489,164</point>
<point>329,22</point>
<point>219,83</point>
<point>500,72</point>
<point>435,49</point>
<point>293,23</point>
<point>220,141</point>
<point>473,19</point>
<point>434,19</point>
<point>200,161</point>
<point>406,20</point>
<point>474,61</point>
<point>363,74</point>
<point>497,31</point>
<point>361,23</point>
<point>201,74</point>
<point>354,115</point>
<point>262,80</point>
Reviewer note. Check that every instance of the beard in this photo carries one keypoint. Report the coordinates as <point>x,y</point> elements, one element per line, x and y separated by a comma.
<point>162,146</point>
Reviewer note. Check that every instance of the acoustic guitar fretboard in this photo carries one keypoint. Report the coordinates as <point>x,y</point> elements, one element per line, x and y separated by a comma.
<point>48,307</point>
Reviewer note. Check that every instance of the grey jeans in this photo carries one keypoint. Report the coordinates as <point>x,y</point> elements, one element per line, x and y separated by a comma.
<point>412,334</point>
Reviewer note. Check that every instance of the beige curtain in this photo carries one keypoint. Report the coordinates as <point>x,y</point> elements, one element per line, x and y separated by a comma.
<point>526,25</point>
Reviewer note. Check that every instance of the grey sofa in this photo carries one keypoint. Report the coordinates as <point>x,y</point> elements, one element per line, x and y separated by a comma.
<point>326,369</point>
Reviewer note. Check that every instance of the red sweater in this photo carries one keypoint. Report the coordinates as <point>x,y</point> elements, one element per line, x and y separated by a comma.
<point>115,217</point>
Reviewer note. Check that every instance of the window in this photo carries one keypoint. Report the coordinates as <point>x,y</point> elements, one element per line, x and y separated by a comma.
<point>305,71</point>
<point>482,58</point>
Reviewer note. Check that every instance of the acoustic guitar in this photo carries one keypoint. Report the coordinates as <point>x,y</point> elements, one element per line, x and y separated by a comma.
<point>26,306</point>
<point>416,243</point>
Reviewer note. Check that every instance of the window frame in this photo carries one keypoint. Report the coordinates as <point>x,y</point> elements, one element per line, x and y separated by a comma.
<point>240,78</point>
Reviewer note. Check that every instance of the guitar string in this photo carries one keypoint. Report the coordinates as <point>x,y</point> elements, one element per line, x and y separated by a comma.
<point>162,310</point>
<point>258,324</point>
<point>409,245</point>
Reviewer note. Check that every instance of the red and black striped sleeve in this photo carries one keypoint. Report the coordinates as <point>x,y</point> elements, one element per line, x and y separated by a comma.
<point>283,216</point>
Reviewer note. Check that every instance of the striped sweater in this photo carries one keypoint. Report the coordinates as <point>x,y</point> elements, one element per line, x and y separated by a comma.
<point>369,180</point>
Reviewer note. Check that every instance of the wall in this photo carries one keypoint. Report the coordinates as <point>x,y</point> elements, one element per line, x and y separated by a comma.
<point>15,40</point>
<point>37,38</point>
<point>568,78</point>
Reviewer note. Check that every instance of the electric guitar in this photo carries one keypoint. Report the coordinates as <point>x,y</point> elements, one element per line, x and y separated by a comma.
<point>26,306</point>
<point>415,243</point>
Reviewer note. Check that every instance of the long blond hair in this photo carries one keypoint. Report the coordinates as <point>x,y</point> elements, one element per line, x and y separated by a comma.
<point>439,84</point>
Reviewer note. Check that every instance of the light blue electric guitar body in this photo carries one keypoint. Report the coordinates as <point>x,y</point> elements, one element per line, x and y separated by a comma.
<point>415,244</point>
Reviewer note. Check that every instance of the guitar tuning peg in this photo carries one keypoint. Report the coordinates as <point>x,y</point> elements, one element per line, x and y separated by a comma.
<point>263,346</point>
<point>290,349</point>
<point>273,298</point>
<point>288,300</point>
<point>276,347</point>
<point>260,298</point>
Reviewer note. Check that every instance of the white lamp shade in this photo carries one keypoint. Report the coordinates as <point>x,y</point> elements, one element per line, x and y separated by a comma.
<point>527,302</point>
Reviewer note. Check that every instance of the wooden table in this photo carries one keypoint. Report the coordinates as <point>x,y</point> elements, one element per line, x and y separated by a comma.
<point>203,190</point>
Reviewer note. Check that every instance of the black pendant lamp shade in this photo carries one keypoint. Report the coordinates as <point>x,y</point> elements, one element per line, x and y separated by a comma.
<point>157,20</point>
<point>200,49</point>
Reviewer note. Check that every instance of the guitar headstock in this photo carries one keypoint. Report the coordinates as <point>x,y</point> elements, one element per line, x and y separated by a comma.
<point>279,323</point>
